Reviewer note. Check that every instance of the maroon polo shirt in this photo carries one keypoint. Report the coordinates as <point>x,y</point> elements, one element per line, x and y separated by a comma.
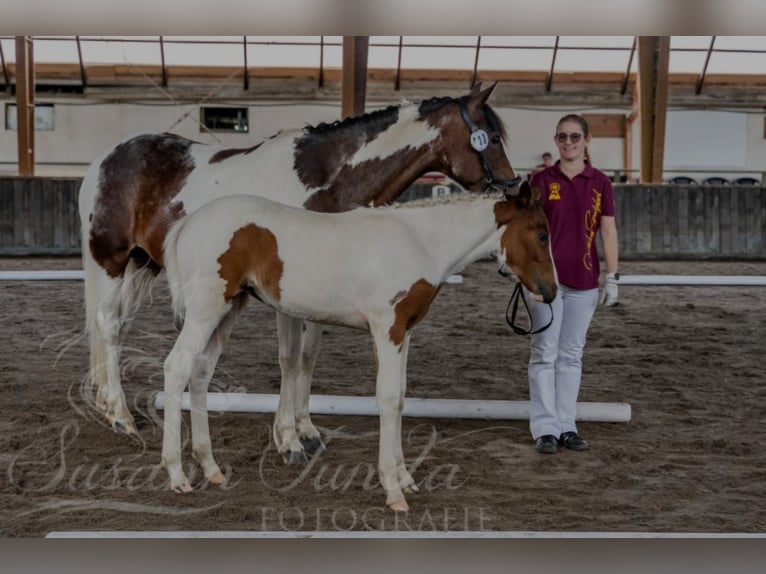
<point>574,208</point>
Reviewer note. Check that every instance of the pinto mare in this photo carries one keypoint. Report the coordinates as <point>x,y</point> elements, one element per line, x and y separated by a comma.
<point>375,269</point>
<point>131,196</point>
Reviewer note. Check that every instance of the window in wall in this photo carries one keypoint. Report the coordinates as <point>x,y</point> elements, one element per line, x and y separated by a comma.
<point>44,117</point>
<point>224,119</point>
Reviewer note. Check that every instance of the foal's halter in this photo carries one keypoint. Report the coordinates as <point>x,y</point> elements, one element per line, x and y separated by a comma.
<point>513,307</point>
<point>480,142</point>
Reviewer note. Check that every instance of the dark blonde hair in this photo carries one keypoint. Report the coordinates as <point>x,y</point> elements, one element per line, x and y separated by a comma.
<point>577,118</point>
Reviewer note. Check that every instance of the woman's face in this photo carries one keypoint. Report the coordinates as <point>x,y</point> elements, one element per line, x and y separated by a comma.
<point>571,141</point>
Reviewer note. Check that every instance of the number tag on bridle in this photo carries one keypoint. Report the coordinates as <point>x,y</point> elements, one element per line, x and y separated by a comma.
<point>479,140</point>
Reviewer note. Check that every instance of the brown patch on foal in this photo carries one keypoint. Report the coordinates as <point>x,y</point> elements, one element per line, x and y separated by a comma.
<point>410,308</point>
<point>252,251</point>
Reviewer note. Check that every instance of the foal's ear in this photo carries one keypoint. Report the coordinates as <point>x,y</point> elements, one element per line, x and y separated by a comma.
<point>525,196</point>
<point>475,90</point>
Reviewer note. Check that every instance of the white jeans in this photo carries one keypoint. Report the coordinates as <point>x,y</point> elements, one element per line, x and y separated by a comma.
<point>555,361</point>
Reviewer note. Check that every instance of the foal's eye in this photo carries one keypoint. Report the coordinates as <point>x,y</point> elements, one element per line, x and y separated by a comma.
<point>495,139</point>
<point>542,237</point>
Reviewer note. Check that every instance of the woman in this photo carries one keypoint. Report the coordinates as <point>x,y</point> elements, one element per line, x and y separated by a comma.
<point>579,202</point>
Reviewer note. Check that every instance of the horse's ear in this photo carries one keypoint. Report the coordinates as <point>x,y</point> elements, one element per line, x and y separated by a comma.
<point>476,90</point>
<point>484,96</point>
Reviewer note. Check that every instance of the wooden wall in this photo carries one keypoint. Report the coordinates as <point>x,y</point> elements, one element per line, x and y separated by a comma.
<point>39,216</point>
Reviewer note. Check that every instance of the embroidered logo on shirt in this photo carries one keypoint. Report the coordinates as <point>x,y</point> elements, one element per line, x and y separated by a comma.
<point>554,191</point>
<point>592,219</point>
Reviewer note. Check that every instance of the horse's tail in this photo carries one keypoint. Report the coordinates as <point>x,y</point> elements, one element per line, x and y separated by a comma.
<point>94,279</point>
<point>173,271</point>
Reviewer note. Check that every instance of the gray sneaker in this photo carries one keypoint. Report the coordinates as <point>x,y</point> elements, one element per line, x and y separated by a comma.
<point>573,441</point>
<point>547,444</point>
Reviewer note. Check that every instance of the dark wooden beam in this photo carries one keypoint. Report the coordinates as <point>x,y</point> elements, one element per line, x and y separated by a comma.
<point>162,61</point>
<point>549,82</point>
<point>476,63</point>
<point>83,76</point>
<point>354,74</point>
<point>25,105</point>
<point>246,84</point>
<point>701,80</point>
<point>653,61</point>
<point>626,79</point>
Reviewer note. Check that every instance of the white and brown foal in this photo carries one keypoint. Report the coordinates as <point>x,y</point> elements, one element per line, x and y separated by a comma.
<point>132,195</point>
<point>375,269</point>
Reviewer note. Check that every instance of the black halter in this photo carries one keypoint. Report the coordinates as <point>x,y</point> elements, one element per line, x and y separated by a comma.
<point>518,293</point>
<point>479,142</point>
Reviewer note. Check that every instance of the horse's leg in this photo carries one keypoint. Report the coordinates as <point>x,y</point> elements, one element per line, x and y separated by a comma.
<point>405,478</point>
<point>285,432</point>
<point>388,393</point>
<point>307,432</point>
<point>179,367</point>
<point>200,380</point>
<point>103,320</point>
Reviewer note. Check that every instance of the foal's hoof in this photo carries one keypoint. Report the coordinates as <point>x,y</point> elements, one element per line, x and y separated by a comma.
<point>217,478</point>
<point>399,506</point>
<point>312,446</point>
<point>294,457</point>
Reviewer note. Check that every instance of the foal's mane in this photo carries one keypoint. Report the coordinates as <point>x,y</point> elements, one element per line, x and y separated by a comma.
<point>460,197</point>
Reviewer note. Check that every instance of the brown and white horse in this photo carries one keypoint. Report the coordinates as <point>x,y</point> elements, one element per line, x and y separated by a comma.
<point>132,195</point>
<point>373,269</point>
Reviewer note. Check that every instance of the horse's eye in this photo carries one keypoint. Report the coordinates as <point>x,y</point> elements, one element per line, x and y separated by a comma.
<point>495,140</point>
<point>542,237</point>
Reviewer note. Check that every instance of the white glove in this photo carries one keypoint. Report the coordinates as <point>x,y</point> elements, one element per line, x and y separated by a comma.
<point>611,289</point>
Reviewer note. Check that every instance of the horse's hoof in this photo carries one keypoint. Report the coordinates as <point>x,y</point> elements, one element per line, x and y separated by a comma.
<point>410,489</point>
<point>217,478</point>
<point>313,446</point>
<point>295,457</point>
<point>125,427</point>
<point>399,506</point>
<point>185,487</point>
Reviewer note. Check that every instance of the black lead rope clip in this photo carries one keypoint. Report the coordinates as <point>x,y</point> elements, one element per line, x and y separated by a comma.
<point>513,307</point>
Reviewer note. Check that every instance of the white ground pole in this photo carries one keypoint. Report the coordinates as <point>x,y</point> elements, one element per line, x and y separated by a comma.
<point>386,534</point>
<point>413,407</point>
<point>440,408</point>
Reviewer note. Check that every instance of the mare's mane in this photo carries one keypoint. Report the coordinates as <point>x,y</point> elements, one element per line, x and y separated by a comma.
<point>385,115</point>
<point>389,115</point>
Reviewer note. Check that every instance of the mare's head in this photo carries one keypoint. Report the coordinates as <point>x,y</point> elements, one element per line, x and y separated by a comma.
<point>472,141</point>
<point>525,242</point>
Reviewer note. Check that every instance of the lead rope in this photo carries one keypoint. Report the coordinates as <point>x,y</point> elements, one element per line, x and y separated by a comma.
<point>513,307</point>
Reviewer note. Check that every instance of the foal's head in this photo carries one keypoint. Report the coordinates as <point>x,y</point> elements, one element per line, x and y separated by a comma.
<point>472,142</point>
<point>525,243</point>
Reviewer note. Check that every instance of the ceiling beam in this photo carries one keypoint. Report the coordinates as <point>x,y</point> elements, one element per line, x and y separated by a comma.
<point>701,79</point>
<point>25,105</point>
<point>653,61</point>
<point>354,75</point>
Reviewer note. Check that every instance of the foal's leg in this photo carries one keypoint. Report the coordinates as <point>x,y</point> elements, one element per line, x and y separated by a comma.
<point>200,379</point>
<point>307,432</point>
<point>388,392</point>
<point>405,478</point>
<point>179,367</point>
<point>285,431</point>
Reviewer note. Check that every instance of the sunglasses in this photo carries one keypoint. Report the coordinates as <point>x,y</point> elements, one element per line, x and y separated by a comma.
<point>562,137</point>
